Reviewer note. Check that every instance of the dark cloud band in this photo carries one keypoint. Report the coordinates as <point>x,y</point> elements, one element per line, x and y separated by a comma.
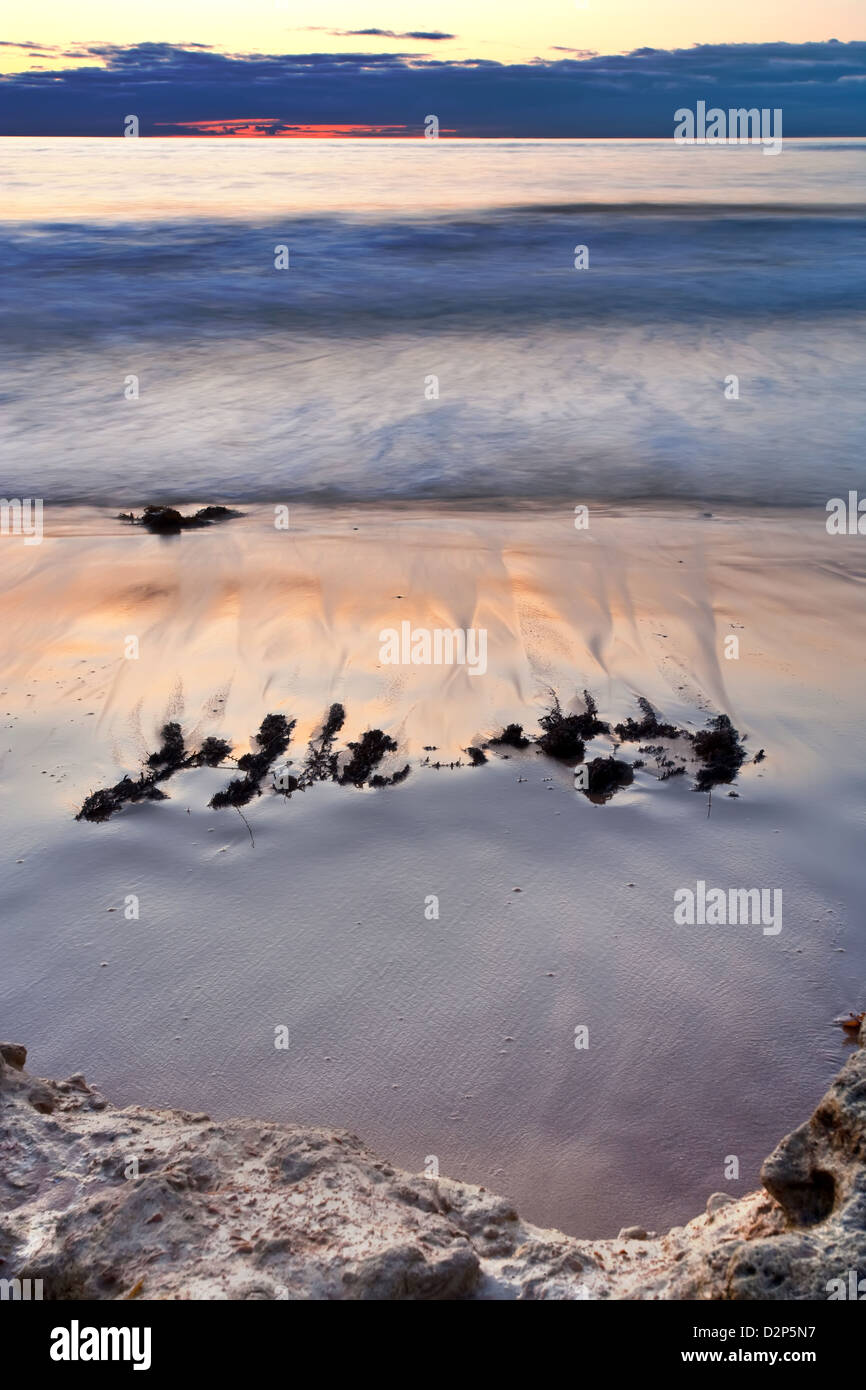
<point>820,87</point>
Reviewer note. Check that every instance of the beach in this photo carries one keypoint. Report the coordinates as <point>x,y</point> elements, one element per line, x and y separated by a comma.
<point>508,431</point>
<point>455,1035</point>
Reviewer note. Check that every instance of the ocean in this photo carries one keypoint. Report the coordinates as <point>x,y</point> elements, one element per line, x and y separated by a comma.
<point>431,337</point>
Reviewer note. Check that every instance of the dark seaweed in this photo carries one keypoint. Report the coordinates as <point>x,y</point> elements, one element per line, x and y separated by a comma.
<point>393,780</point>
<point>321,763</point>
<point>102,804</point>
<point>718,749</point>
<point>562,737</point>
<point>171,757</point>
<point>607,776</point>
<point>214,751</point>
<point>272,740</point>
<point>633,731</point>
<point>172,753</point>
<point>721,751</point>
<point>367,753</point>
<point>512,736</point>
<point>588,724</point>
<point>167,521</point>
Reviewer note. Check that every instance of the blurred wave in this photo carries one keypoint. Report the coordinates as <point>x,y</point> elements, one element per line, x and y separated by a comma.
<point>125,282</point>
<point>434,354</point>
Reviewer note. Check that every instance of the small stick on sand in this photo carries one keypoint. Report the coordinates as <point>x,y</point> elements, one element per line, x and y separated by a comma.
<point>247,824</point>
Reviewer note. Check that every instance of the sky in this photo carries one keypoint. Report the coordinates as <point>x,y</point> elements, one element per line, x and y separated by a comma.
<point>484,67</point>
<point>506,31</point>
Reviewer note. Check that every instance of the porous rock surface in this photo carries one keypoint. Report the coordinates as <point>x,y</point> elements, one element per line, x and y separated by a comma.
<point>101,1202</point>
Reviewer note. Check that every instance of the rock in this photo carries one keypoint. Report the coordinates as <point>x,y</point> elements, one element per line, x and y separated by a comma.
<point>406,1272</point>
<point>13,1053</point>
<point>251,1210</point>
<point>42,1098</point>
<point>811,1173</point>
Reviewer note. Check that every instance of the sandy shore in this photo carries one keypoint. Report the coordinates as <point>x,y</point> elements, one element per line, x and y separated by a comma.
<point>244,618</point>
<point>137,1203</point>
<point>451,1037</point>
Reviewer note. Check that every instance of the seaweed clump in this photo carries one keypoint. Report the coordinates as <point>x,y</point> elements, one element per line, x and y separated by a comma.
<point>721,751</point>
<point>212,752</point>
<point>718,750</point>
<point>170,758</point>
<point>512,736</point>
<point>588,723</point>
<point>665,764</point>
<point>606,776</point>
<point>167,521</point>
<point>562,737</point>
<point>636,731</point>
<point>367,753</point>
<point>564,734</point>
<point>102,804</point>
<point>272,740</point>
<point>392,781</point>
<point>321,763</point>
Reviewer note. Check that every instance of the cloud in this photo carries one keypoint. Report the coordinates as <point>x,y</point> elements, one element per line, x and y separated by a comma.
<point>433,35</point>
<point>169,86</point>
<point>43,49</point>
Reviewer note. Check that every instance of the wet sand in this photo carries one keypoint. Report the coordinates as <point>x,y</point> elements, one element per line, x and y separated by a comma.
<point>454,1036</point>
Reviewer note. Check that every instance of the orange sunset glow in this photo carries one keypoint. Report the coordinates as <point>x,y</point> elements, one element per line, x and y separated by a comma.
<point>256,126</point>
